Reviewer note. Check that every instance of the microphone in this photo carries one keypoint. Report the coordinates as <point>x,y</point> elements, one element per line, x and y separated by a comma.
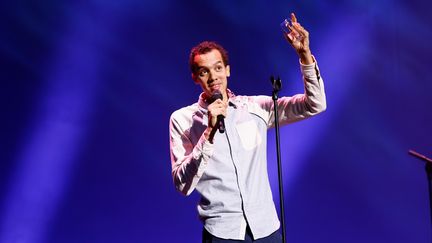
<point>220,124</point>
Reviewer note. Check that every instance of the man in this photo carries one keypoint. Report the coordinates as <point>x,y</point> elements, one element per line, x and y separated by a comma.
<point>229,168</point>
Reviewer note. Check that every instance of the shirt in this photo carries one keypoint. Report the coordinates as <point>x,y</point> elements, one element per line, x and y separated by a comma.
<point>231,173</point>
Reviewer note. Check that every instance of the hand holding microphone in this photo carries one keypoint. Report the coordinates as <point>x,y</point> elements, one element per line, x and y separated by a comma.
<point>217,111</point>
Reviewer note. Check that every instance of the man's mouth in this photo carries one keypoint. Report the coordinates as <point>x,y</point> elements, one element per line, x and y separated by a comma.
<point>215,86</point>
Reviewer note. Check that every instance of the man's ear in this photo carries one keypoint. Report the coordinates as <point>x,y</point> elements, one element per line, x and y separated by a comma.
<point>227,68</point>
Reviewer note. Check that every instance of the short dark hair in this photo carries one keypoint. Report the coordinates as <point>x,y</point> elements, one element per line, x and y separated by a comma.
<point>203,48</point>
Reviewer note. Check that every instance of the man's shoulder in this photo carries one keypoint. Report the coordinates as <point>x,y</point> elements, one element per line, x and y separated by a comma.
<point>250,99</point>
<point>259,105</point>
<point>185,111</point>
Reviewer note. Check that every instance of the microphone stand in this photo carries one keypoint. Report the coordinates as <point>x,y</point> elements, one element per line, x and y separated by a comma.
<point>277,85</point>
<point>428,168</point>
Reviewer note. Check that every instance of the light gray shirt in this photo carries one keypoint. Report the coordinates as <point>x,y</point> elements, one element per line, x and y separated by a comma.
<point>231,174</point>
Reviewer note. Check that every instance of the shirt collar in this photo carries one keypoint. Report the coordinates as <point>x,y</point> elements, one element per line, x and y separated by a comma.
<point>203,103</point>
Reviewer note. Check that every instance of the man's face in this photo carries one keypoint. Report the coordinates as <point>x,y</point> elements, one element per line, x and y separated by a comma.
<point>212,73</point>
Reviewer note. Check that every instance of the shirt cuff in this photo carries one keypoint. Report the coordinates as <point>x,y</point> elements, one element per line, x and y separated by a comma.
<point>205,152</point>
<point>310,71</point>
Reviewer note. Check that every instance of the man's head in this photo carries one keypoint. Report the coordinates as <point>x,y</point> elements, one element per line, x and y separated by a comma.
<point>209,65</point>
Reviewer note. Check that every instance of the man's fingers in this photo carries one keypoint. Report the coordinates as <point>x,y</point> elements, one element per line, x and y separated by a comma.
<point>297,27</point>
<point>218,107</point>
<point>289,38</point>
<point>300,30</point>
<point>293,18</point>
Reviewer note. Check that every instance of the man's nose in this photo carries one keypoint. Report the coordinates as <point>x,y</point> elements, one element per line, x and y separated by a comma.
<point>212,75</point>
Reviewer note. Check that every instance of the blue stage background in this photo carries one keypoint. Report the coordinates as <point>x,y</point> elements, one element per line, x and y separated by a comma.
<point>87,88</point>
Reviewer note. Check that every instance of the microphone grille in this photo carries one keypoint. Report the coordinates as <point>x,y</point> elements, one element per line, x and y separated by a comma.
<point>216,95</point>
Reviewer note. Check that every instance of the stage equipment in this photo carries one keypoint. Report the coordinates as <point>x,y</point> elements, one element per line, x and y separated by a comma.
<point>277,86</point>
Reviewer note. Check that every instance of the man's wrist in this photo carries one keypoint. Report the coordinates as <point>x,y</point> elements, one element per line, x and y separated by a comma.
<point>209,133</point>
<point>306,57</point>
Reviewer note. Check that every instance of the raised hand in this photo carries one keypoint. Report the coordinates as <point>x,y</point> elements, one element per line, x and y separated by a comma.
<point>298,37</point>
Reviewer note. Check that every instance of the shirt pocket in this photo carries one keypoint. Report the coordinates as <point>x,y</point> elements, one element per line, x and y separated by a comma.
<point>249,134</point>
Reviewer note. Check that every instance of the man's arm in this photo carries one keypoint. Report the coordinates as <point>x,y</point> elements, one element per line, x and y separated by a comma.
<point>188,161</point>
<point>297,107</point>
<point>313,100</point>
<point>301,106</point>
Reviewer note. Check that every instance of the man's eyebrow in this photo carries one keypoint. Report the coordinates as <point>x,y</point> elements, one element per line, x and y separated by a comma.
<point>214,64</point>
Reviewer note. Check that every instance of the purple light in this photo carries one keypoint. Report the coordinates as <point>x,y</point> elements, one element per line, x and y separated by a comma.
<point>46,160</point>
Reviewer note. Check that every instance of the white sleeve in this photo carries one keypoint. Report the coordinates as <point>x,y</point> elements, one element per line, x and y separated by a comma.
<point>188,161</point>
<point>297,107</point>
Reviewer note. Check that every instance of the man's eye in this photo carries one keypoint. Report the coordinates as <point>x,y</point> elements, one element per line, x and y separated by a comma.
<point>218,68</point>
<point>203,73</point>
